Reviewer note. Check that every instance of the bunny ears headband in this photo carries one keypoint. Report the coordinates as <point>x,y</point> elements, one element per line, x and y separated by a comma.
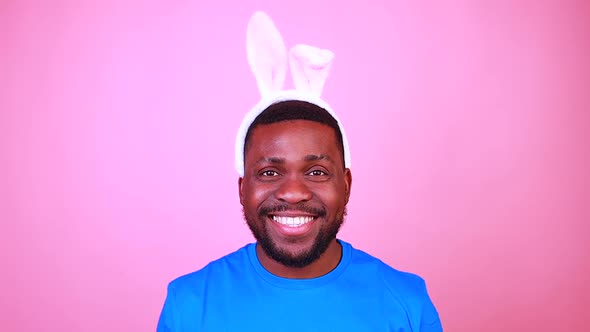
<point>267,57</point>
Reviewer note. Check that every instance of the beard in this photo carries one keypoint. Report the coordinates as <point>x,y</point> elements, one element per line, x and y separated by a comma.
<point>258,227</point>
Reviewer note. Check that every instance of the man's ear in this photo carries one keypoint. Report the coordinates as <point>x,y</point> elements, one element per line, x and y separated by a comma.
<point>240,190</point>
<point>347,183</point>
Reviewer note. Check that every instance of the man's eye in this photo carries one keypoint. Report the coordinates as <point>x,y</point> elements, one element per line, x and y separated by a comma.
<point>269,173</point>
<point>317,172</point>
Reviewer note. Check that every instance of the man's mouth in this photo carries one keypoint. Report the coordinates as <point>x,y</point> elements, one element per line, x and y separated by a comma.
<point>292,221</point>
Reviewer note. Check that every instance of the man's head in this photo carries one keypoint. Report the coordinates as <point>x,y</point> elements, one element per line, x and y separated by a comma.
<point>295,185</point>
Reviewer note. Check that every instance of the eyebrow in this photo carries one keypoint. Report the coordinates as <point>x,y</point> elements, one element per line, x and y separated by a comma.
<point>316,157</point>
<point>271,160</point>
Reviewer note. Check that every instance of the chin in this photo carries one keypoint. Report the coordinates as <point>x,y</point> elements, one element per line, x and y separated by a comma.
<point>294,252</point>
<point>294,258</point>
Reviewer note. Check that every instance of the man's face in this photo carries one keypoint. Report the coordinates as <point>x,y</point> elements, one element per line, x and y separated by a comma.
<point>294,190</point>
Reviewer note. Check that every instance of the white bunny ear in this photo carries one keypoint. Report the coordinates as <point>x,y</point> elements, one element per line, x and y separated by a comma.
<point>310,67</point>
<point>267,54</point>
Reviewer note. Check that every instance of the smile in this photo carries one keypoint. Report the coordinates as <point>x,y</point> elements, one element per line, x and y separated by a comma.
<point>293,221</point>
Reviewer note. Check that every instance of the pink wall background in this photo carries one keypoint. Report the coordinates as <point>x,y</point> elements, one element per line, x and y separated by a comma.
<point>469,134</point>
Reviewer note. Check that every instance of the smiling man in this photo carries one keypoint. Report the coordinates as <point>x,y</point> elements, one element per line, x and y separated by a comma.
<point>293,161</point>
<point>297,276</point>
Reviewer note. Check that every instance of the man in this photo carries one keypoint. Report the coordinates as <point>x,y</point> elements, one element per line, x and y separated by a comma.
<point>293,159</point>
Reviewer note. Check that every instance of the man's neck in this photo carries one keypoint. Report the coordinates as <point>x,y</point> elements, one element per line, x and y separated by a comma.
<point>322,266</point>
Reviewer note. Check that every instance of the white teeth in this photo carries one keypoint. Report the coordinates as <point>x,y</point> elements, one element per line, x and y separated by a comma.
<point>292,221</point>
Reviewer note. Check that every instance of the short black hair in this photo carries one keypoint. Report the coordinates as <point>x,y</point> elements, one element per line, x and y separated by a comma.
<point>295,110</point>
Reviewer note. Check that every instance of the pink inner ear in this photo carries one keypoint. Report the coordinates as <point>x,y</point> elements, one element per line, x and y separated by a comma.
<point>267,54</point>
<point>310,67</point>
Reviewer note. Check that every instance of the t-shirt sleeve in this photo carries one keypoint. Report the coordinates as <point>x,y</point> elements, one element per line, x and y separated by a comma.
<point>430,320</point>
<point>166,320</point>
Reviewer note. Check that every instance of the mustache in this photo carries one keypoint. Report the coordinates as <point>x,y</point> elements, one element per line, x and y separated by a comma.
<point>300,207</point>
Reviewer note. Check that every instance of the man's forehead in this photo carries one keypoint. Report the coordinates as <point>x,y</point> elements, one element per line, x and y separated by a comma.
<point>292,126</point>
<point>279,144</point>
<point>295,140</point>
<point>293,132</point>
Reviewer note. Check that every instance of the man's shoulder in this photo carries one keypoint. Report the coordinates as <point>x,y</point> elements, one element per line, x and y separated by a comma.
<point>398,282</point>
<point>406,288</point>
<point>214,268</point>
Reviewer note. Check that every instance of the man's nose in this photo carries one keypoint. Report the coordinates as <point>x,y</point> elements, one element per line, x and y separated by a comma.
<point>293,190</point>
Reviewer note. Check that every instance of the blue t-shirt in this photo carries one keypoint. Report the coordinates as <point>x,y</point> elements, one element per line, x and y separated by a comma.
<point>236,293</point>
